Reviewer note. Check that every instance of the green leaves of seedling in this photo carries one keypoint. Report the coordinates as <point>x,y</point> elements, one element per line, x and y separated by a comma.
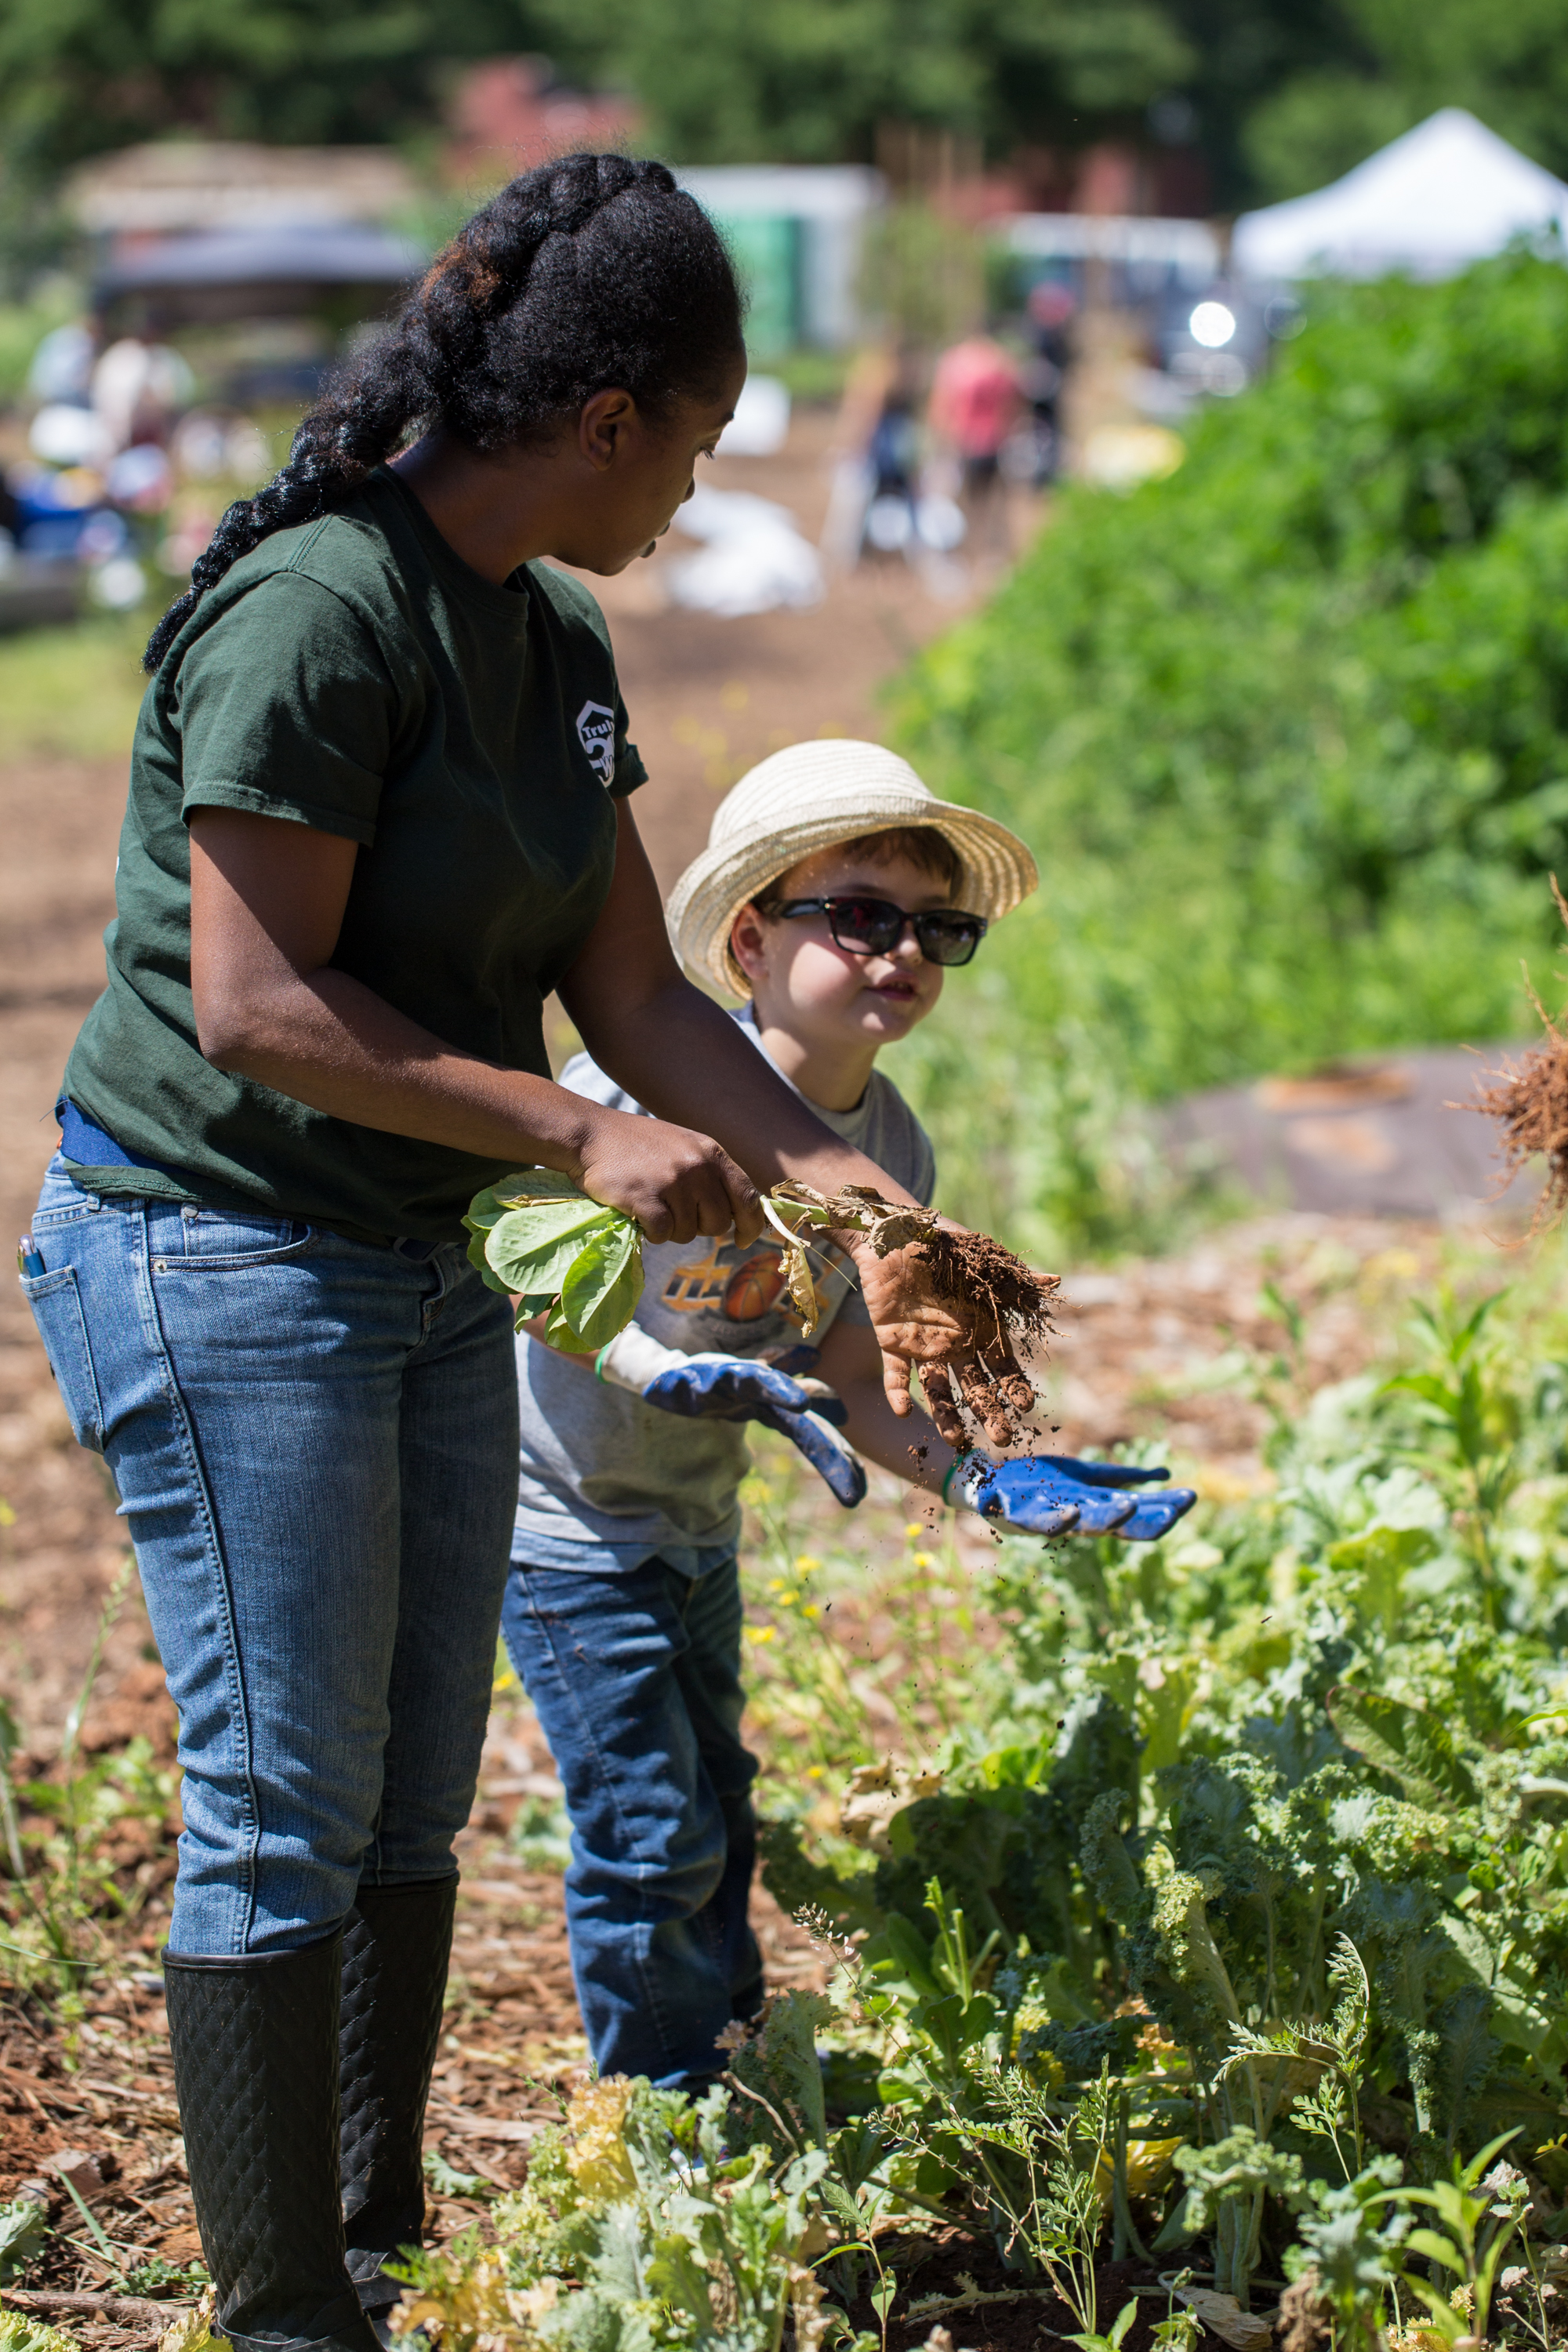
<point>23,2226</point>
<point>536,1236</point>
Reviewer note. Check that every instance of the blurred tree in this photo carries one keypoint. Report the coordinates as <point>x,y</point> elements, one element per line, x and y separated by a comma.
<point>809,80</point>
<point>1278,95</point>
<point>99,74</point>
<point>1395,63</point>
<point>1246,51</point>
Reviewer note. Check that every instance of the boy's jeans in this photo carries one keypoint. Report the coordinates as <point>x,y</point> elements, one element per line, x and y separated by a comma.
<point>637,1681</point>
<point>315,1445</point>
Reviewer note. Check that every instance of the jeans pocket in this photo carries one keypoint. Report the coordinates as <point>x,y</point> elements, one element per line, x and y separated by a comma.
<point>56,1302</point>
<point>218,1240</point>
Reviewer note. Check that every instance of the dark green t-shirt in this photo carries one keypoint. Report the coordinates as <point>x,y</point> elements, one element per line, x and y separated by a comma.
<point>354,676</point>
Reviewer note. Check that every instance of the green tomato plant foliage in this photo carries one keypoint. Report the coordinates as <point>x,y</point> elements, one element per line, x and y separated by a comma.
<point>536,1237</point>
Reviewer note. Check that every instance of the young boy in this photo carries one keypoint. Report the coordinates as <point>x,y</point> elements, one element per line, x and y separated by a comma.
<point>834,892</point>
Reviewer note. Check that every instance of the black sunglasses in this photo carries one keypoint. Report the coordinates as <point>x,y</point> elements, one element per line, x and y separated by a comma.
<point>871,927</point>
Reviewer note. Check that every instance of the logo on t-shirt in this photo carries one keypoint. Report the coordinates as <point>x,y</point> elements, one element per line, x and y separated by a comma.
<point>596,734</point>
<point>741,1289</point>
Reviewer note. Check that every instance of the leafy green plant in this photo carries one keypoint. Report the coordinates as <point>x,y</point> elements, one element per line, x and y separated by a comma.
<point>1479,2213</point>
<point>1336,2048</point>
<point>1474,1419</point>
<point>447,2181</point>
<point>158,2277</point>
<point>638,2226</point>
<point>537,1236</point>
<point>1343,2261</point>
<point>21,2333</point>
<point>1222,1915</point>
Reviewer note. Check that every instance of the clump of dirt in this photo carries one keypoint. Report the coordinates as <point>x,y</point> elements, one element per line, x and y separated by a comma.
<point>1004,1301</point>
<point>1530,1104</point>
<point>992,1300</point>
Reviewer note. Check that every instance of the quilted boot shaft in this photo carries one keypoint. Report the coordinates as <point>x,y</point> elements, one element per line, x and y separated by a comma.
<point>396,1940</point>
<point>253,2041</point>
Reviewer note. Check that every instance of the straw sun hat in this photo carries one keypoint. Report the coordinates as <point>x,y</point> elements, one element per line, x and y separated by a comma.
<point>807,798</point>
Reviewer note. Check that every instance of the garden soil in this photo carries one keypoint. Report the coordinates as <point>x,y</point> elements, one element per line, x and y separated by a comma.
<point>1134,1349</point>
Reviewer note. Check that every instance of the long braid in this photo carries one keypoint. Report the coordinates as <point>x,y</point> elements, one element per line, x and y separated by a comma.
<point>594,270</point>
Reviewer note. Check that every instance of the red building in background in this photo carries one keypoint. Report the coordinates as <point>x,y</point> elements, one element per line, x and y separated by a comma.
<point>511,113</point>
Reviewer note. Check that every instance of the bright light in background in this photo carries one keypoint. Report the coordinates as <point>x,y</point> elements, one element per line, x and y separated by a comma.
<point>1212,325</point>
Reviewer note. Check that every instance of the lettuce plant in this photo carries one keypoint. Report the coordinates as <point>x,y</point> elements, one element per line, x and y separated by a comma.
<point>536,1237</point>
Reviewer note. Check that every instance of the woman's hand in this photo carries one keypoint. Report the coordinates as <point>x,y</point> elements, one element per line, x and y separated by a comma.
<point>675,1182</point>
<point>964,1351</point>
<point>913,1327</point>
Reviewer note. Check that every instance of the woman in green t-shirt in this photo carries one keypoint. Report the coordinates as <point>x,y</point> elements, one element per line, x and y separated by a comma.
<point>378,812</point>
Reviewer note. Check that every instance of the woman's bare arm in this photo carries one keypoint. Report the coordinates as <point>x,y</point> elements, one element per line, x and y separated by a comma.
<point>851,1364</point>
<point>267,906</point>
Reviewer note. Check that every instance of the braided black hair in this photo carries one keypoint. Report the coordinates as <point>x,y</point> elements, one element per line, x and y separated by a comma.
<point>594,271</point>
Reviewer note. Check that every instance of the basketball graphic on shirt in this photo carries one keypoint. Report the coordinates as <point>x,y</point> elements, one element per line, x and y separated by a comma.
<point>754,1287</point>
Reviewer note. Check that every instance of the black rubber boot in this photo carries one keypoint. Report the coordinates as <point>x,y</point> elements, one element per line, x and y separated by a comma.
<point>255,2044</point>
<point>396,1940</point>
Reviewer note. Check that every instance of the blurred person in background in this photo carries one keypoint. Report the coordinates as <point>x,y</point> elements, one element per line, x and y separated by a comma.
<point>61,367</point>
<point>975,398</point>
<point>1052,308</point>
<point>893,456</point>
<point>138,388</point>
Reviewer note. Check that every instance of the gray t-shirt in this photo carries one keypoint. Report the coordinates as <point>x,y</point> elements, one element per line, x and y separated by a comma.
<point>606,1481</point>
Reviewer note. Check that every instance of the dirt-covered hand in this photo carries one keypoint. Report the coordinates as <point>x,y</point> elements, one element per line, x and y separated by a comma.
<point>944,1303</point>
<point>675,1182</point>
<point>916,1331</point>
<point>936,1310</point>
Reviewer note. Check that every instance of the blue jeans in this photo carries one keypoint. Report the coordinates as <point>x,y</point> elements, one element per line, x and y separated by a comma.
<point>315,1446</point>
<point>637,1681</point>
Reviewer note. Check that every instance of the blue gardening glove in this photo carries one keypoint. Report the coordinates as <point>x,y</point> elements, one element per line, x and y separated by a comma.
<point>1051,1493</point>
<point>713,1387</point>
<point>1157,1515</point>
<point>1102,1474</point>
<point>1153,1514</point>
<point>1033,1496</point>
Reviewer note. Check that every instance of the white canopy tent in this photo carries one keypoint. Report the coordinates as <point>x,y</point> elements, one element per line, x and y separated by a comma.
<point>1447,194</point>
